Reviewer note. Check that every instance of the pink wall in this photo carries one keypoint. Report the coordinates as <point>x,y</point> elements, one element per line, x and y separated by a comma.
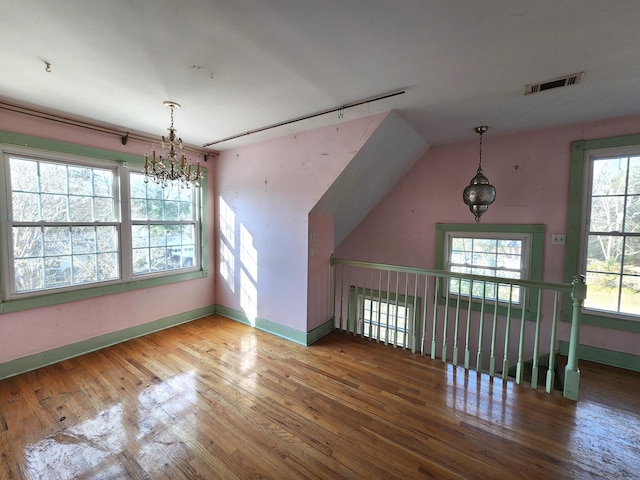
<point>37,330</point>
<point>269,189</point>
<point>321,246</point>
<point>530,171</point>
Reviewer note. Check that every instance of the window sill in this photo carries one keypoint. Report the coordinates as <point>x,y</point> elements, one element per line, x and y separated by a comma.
<point>45,300</point>
<point>613,323</point>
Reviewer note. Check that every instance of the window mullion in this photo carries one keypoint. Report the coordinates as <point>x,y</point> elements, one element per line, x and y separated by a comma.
<point>123,196</point>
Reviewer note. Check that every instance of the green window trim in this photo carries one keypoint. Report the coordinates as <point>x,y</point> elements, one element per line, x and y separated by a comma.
<point>56,298</point>
<point>574,225</point>
<point>536,249</point>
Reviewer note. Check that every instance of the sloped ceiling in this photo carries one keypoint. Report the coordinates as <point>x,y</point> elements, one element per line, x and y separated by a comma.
<point>386,156</point>
<point>240,65</point>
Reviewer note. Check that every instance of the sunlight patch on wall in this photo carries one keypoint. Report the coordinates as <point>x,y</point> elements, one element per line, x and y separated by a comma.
<point>248,297</point>
<point>227,243</point>
<point>248,275</point>
<point>227,265</point>
<point>248,254</point>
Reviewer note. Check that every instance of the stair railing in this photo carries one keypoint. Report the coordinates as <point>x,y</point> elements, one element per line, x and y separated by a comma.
<point>499,326</point>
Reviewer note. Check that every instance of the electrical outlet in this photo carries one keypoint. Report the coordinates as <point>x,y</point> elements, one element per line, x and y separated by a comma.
<point>558,239</point>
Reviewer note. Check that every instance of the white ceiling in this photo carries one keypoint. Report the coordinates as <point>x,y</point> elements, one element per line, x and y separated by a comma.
<point>238,65</point>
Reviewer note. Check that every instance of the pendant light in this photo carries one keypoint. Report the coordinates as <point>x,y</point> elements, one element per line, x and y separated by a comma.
<point>480,193</point>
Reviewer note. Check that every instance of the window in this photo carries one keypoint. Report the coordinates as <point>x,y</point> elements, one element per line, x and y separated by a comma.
<point>610,253</point>
<point>82,222</point>
<point>63,224</point>
<point>163,226</point>
<point>603,229</point>
<point>497,250</point>
<point>384,316</point>
<point>499,255</point>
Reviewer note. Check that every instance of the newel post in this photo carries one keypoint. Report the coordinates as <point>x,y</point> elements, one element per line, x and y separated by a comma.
<point>571,372</point>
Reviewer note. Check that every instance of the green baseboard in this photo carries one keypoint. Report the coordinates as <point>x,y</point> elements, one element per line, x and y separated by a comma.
<point>38,360</point>
<point>607,357</point>
<point>288,333</point>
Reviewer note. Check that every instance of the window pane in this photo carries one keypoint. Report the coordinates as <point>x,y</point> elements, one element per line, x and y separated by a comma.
<point>609,176</point>
<point>85,269</point>
<point>80,180</point>
<point>602,293</point>
<point>107,239</point>
<point>140,236</point>
<point>108,266</point>
<point>158,259</point>
<point>104,209</point>
<point>484,259</point>
<point>158,235</point>
<point>102,183</point>
<point>607,214</point>
<point>25,206</point>
<point>53,178</point>
<point>141,260</point>
<point>633,187</point>
<point>604,253</point>
<point>630,298</point>
<point>632,214</point>
<point>484,245</point>
<point>80,209</point>
<point>55,208</point>
<point>187,212</point>
<point>28,274</point>
<point>138,209</point>
<point>154,210</point>
<point>510,247</point>
<point>509,261</point>
<point>83,240</point>
<point>57,241</point>
<point>27,242</point>
<point>24,175</point>
<point>171,210</point>
<point>57,271</point>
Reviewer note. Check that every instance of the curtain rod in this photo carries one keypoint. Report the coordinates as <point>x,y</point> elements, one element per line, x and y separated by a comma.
<point>124,136</point>
<point>307,117</point>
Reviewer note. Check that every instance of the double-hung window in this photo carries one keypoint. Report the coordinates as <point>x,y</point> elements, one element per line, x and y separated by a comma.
<point>603,229</point>
<point>510,252</point>
<point>500,255</point>
<point>63,224</point>
<point>610,253</point>
<point>81,222</point>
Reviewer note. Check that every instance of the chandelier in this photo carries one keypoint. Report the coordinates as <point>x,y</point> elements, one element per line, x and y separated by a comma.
<point>480,193</point>
<point>165,169</point>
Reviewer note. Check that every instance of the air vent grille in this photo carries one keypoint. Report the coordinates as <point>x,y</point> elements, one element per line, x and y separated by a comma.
<point>565,81</point>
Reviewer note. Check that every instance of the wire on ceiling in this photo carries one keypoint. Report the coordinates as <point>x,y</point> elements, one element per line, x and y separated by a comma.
<point>341,109</point>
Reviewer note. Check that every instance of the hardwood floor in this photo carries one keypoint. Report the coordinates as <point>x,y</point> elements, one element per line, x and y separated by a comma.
<point>215,399</point>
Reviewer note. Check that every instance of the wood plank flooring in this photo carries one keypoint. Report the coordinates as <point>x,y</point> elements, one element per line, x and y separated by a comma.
<point>215,399</point>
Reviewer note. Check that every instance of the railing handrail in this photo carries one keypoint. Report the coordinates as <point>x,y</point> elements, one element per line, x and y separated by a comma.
<point>576,289</point>
<point>562,287</point>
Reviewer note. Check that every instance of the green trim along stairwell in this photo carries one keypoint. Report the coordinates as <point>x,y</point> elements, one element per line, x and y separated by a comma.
<point>612,358</point>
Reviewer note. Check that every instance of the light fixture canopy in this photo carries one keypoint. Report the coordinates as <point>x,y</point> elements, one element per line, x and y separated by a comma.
<point>480,193</point>
<point>169,168</point>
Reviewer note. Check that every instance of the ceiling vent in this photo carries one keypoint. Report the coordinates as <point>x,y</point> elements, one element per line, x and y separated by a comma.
<point>565,81</point>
